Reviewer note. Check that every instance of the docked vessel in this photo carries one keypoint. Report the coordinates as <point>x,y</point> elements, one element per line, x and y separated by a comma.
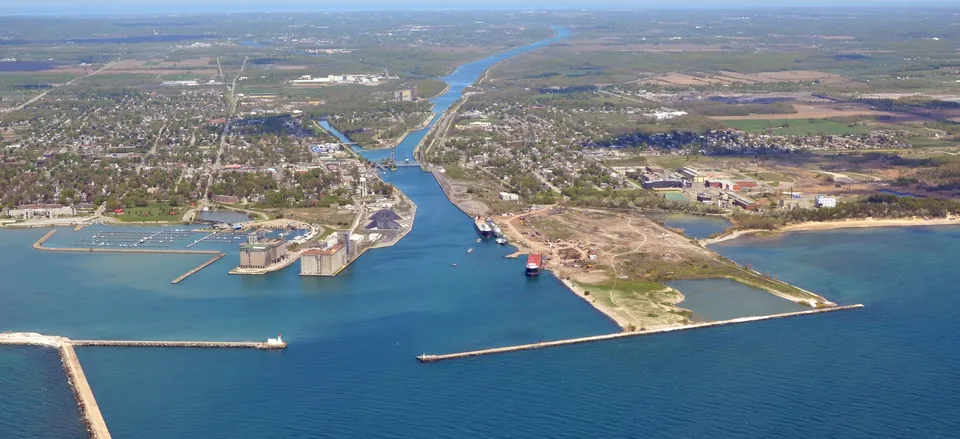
<point>534,264</point>
<point>483,228</point>
<point>502,241</point>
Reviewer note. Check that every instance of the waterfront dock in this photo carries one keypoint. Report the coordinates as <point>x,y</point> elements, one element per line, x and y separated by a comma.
<point>431,358</point>
<point>198,268</point>
<point>84,394</point>
<point>39,245</point>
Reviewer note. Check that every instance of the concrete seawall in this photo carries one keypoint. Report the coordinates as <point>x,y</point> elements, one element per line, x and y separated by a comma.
<point>197,269</point>
<point>431,358</point>
<point>81,389</point>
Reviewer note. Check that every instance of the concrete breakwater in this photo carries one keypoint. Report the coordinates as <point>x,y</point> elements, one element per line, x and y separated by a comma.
<point>198,268</point>
<point>92,416</point>
<point>84,394</point>
<point>179,344</point>
<point>431,358</point>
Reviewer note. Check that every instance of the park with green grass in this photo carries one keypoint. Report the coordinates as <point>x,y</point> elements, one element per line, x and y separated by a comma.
<point>150,213</point>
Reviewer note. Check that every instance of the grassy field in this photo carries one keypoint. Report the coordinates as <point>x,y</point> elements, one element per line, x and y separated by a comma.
<point>796,127</point>
<point>151,212</point>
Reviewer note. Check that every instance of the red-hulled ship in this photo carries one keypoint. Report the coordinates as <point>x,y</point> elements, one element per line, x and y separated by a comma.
<point>534,264</point>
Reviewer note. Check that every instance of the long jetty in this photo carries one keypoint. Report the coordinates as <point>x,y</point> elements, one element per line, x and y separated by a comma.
<point>431,358</point>
<point>179,344</point>
<point>84,394</point>
<point>197,268</point>
<point>92,417</point>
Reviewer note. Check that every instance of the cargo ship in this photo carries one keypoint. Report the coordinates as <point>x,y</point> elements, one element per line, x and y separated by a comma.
<point>483,228</point>
<point>534,264</point>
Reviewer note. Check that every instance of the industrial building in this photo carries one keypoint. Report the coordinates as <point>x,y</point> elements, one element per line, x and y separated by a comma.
<point>704,198</point>
<point>743,202</point>
<point>692,174</point>
<point>655,182</point>
<point>323,262</point>
<point>507,196</point>
<point>263,252</point>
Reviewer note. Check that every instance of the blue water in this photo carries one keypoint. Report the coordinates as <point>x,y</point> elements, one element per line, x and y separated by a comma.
<point>35,399</point>
<point>224,216</point>
<point>724,299</point>
<point>694,226</point>
<point>889,370</point>
<point>899,194</point>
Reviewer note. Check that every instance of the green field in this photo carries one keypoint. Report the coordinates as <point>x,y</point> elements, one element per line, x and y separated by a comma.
<point>151,212</point>
<point>796,127</point>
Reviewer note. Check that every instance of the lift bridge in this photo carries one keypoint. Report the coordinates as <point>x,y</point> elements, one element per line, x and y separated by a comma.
<point>392,163</point>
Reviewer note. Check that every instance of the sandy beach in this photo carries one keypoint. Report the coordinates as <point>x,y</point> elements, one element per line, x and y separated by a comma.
<point>845,224</point>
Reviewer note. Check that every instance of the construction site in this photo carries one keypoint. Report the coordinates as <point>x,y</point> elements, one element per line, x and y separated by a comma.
<point>618,262</point>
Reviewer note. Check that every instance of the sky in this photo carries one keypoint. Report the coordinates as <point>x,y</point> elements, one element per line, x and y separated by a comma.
<point>30,7</point>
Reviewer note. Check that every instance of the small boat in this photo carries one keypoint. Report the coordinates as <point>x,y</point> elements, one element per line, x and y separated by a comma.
<point>469,250</point>
<point>502,241</point>
<point>454,264</point>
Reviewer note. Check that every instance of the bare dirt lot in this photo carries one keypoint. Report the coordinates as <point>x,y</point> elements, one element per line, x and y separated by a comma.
<point>787,76</point>
<point>820,111</point>
<point>618,261</point>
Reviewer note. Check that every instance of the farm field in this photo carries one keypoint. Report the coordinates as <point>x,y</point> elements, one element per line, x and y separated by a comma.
<point>796,127</point>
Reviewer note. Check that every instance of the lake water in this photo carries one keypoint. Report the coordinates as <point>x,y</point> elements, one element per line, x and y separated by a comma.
<point>224,216</point>
<point>889,370</point>
<point>723,299</point>
<point>694,226</point>
<point>899,194</point>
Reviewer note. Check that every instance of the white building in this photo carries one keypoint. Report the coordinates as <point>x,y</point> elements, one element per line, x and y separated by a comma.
<point>822,201</point>
<point>507,196</point>
<point>39,211</point>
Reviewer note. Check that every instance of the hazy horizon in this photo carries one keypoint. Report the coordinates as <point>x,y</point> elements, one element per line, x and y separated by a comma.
<point>113,7</point>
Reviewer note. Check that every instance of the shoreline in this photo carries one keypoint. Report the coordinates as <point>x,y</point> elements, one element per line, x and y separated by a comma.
<point>813,226</point>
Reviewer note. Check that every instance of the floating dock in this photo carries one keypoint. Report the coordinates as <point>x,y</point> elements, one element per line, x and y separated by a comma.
<point>198,268</point>
<point>431,358</point>
<point>39,245</point>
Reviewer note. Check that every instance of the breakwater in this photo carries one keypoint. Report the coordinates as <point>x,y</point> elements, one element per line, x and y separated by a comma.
<point>431,358</point>
<point>198,268</point>
<point>84,394</point>
<point>78,380</point>
<point>179,344</point>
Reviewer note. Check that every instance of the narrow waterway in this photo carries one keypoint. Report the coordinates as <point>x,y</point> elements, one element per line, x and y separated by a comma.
<point>887,371</point>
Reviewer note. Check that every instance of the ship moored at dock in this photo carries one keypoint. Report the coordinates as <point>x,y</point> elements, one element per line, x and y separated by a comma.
<point>534,264</point>
<point>483,228</point>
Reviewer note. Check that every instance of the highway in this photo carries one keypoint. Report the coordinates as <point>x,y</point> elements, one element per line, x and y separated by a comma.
<point>41,95</point>
<point>226,130</point>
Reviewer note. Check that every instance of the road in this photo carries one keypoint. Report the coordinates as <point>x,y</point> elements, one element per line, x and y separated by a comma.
<point>226,130</point>
<point>616,273</point>
<point>41,95</point>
